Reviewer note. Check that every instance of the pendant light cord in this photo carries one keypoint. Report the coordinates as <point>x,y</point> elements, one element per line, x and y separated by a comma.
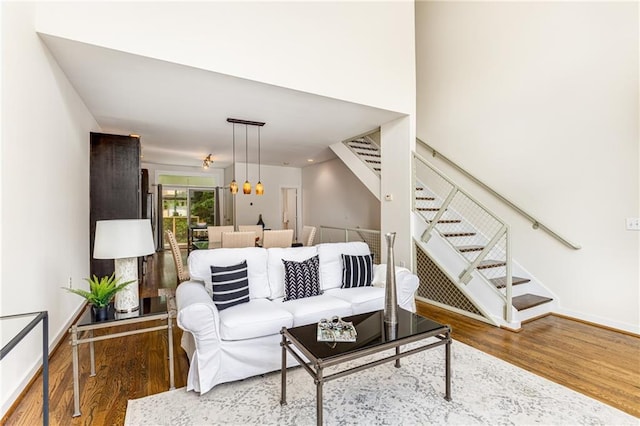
<point>259,175</point>
<point>234,151</point>
<point>246,152</point>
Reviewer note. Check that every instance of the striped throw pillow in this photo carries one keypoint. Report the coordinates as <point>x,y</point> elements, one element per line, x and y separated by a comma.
<point>357,271</point>
<point>230,285</point>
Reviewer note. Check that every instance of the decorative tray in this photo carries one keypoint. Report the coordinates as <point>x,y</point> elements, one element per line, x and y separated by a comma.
<point>336,330</point>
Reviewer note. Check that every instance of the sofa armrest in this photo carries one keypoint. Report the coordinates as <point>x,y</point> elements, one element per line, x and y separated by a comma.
<point>198,316</point>
<point>406,285</point>
<point>197,313</point>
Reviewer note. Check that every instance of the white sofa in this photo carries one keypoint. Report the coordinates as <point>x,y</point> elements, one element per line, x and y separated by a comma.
<point>244,340</point>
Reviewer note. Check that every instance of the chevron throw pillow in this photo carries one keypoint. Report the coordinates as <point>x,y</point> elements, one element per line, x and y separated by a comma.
<point>301,279</point>
<point>230,285</point>
<point>357,271</point>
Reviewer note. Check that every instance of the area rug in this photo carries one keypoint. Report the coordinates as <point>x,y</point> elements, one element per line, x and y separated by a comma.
<point>485,390</point>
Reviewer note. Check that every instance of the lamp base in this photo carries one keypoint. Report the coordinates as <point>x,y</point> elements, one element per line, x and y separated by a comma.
<point>127,299</point>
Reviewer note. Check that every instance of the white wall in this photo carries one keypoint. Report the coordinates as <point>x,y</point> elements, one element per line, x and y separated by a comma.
<point>333,196</point>
<point>249,207</point>
<point>45,193</point>
<point>540,101</point>
<point>397,140</point>
<point>317,47</point>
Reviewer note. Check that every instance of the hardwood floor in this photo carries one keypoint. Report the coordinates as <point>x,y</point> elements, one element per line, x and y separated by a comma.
<point>600,363</point>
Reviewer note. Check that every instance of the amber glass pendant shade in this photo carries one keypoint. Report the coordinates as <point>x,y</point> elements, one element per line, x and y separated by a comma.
<point>246,188</point>
<point>259,188</point>
<point>233,187</point>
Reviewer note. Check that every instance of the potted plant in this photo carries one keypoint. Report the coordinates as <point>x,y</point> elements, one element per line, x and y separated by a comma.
<point>101,292</point>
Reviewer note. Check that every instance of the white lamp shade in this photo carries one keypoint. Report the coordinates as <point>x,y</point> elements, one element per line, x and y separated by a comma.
<point>123,238</point>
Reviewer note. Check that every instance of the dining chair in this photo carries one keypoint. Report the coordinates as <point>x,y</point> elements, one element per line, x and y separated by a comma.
<point>181,271</point>
<point>215,234</point>
<point>238,239</point>
<point>252,228</point>
<point>279,238</point>
<point>308,235</point>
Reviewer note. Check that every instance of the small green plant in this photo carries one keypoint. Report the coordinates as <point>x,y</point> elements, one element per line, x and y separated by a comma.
<point>101,290</point>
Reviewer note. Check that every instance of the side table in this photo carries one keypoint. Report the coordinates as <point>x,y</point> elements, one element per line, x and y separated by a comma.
<point>151,309</point>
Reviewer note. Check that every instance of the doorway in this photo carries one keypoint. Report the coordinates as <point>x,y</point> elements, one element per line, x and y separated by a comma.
<point>289,211</point>
<point>184,207</point>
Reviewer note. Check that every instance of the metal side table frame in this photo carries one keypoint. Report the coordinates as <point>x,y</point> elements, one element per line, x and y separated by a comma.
<point>76,330</point>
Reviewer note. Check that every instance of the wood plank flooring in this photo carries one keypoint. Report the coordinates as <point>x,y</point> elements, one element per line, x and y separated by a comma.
<point>600,363</point>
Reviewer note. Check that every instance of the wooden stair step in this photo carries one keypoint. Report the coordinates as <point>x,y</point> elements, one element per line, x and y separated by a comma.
<point>425,198</point>
<point>447,221</point>
<point>458,234</point>
<point>419,188</point>
<point>372,161</point>
<point>486,264</point>
<point>501,282</point>
<point>427,209</point>
<point>527,301</point>
<point>469,248</point>
<point>369,154</point>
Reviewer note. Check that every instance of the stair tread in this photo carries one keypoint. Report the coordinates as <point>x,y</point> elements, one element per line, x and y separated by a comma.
<point>527,301</point>
<point>459,234</point>
<point>446,221</point>
<point>488,263</point>
<point>428,209</point>
<point>425,198</point>
<point>501,282</point>
<point>468,248</point>
<point>365,148</point>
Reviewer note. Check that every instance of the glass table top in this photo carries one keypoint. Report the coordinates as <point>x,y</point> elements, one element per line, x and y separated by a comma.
<point>371,331</point>
<point>148,306</point>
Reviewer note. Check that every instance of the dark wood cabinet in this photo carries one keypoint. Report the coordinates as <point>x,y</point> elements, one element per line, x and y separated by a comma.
<point>115,186</point>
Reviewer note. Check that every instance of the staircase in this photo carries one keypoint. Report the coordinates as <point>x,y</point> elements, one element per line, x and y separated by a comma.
<point>368,151</point>
<point>470,246</point>
<point>462,249</point>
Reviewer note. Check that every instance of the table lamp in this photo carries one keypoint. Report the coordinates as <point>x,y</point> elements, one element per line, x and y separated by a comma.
<point>124,240</point>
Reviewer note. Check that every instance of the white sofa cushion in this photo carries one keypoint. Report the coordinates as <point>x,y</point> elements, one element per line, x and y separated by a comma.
<point>331,261</point>
<point>275,267</point>
<point>312,309</point>
<point>200,262</point>
<point>257,318</point>
<point>362,299</point>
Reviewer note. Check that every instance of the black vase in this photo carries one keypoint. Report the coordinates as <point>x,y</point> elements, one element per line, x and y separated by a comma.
<point>260,221</point>
<point>100,314</point>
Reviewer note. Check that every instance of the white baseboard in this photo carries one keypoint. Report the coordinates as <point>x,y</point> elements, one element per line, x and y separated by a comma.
<point>623,327</point>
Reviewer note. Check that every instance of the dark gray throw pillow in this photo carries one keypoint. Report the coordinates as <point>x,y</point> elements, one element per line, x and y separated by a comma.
<point>357,271</point>
<point>301,279</point>
<point>230,285</point>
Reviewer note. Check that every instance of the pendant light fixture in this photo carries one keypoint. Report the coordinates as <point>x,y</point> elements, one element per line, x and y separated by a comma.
<point>246,187</point>
<point>259,186</point>
<point>233,186</point>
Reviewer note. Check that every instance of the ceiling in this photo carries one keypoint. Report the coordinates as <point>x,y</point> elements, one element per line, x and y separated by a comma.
<point>180,112</point>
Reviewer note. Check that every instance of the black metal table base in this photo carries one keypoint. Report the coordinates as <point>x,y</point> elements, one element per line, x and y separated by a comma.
<point>315,367</point>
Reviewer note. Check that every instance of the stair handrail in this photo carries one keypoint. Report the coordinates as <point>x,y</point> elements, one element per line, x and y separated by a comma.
<point>504,231</point>
<point>536,224</point>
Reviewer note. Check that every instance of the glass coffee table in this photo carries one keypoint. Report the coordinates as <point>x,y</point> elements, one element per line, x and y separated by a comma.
<point>151,309</point>
<point>374,336</point>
